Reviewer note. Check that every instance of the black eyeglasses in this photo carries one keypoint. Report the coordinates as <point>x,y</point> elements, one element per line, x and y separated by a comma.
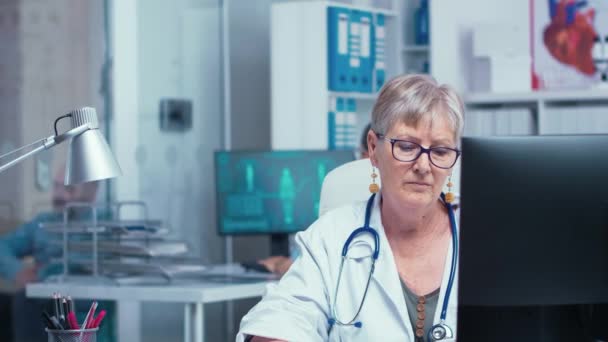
<point>409,151</point>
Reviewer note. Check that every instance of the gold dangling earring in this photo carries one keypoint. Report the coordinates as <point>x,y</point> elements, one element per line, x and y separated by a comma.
<point>373,187</point>
<point>449,196</point>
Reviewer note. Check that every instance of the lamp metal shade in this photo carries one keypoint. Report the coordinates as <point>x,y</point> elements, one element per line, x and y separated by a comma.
<point>89,156</point>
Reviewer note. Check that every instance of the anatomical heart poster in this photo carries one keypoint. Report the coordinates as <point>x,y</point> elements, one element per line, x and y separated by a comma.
<point>569,43</point>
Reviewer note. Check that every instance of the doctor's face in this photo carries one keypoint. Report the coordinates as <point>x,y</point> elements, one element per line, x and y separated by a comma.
<point>417,183</point>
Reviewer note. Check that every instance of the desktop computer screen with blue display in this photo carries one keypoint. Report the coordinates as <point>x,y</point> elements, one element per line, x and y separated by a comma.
<point>271,192</point>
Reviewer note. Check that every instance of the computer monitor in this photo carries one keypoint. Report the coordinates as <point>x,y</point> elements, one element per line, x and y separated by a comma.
<point>271,192</point>
<point>534,238</point>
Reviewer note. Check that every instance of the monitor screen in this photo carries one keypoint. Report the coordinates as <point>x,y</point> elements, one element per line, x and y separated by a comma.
<point>272,192</point>
<point>534,238</point>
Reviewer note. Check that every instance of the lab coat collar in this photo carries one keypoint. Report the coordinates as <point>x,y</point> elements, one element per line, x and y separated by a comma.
<point>388,280</point>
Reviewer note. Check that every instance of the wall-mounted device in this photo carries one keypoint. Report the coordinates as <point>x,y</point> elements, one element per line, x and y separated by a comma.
<point>175,115</point>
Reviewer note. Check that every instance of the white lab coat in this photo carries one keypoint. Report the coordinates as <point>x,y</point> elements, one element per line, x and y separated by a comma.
<point>298,307</point>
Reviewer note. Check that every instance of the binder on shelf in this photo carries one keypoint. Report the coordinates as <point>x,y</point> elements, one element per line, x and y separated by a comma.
<point>351,136</point>
<point>354,50</point>
<point>346,126</point>
<point>379,51</point>
<point>338,26</point>
<point>341,114</point>
<point>366,59</point>
<point>343,125</point>
<point>502,122</point>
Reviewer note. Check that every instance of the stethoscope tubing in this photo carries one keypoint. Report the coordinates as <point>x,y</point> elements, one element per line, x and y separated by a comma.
<point>367,229</point>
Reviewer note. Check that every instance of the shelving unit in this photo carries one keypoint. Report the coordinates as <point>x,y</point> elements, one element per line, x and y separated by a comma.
<point>416,57</point>
<point>539,97</point>
<point>301,99</point>
<point>539,103</point>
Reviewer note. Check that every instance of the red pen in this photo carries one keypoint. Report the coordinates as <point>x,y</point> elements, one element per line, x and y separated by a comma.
<point>72,320</point>
<point>98,319</point>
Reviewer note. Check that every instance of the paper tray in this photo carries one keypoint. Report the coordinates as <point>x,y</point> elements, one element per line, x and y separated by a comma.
<point>152,248</point>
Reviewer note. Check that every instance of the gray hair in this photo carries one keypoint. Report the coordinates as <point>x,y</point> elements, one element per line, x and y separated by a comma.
<point>410,98</point>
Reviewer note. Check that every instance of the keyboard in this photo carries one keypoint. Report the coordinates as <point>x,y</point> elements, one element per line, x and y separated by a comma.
<point>254,266</point>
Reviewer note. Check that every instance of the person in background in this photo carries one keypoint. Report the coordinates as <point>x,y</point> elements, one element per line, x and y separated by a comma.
<point>279,264</point>
<point>30,241</point>
<point>363,152</point>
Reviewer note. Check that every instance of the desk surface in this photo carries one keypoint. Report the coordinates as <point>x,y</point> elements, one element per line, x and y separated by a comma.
<point>182,291</point>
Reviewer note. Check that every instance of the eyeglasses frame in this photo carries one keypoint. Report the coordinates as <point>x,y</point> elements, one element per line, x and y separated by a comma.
<point>422,150</point>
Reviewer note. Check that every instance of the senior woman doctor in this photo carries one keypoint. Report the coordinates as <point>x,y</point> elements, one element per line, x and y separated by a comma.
<point>409,292</point>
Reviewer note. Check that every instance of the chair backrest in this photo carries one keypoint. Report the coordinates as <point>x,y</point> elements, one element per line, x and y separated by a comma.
<point>349,183</point>
<point>346,184</point>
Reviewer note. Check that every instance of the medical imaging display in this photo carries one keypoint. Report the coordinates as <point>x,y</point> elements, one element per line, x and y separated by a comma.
<point>271,192</point>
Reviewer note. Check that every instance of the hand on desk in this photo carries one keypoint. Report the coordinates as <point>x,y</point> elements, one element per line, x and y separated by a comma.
<point>27,275</point>
<point>264,339</point>
<point>277,264</point>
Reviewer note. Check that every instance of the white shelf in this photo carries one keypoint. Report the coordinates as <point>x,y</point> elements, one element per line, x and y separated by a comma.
<point>534,97</point>
<point>415,48</point>
<point>375,10</point>
<point>354,95</point>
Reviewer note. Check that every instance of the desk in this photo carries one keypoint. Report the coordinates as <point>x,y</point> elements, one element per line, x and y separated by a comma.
<point>192,293</point>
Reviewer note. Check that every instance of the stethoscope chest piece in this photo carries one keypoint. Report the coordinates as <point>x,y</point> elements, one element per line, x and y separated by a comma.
<point>440,332</point>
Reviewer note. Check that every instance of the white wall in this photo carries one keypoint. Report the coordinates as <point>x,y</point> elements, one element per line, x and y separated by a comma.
<point>452,24</point>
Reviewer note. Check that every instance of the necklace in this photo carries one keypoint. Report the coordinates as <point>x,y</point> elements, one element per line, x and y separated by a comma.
<point>420,308</point>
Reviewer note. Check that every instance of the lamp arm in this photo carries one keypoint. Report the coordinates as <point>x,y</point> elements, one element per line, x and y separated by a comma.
<point>21,148</point>
<point>46,144</point>
<point>71,133</point>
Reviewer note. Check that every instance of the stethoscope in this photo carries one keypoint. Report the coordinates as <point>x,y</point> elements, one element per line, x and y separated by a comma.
<point>438,331</point>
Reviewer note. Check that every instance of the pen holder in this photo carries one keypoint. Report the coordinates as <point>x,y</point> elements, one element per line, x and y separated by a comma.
<point>86,335</point>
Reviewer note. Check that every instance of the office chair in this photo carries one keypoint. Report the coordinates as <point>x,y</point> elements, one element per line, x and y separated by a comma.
<point>350,183</point>
<point>346,184</point>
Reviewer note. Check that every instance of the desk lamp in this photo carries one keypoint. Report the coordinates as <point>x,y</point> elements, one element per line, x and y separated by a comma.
<point>89,156</point>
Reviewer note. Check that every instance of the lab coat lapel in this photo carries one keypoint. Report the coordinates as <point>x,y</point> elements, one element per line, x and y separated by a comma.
<point>385,274</point>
